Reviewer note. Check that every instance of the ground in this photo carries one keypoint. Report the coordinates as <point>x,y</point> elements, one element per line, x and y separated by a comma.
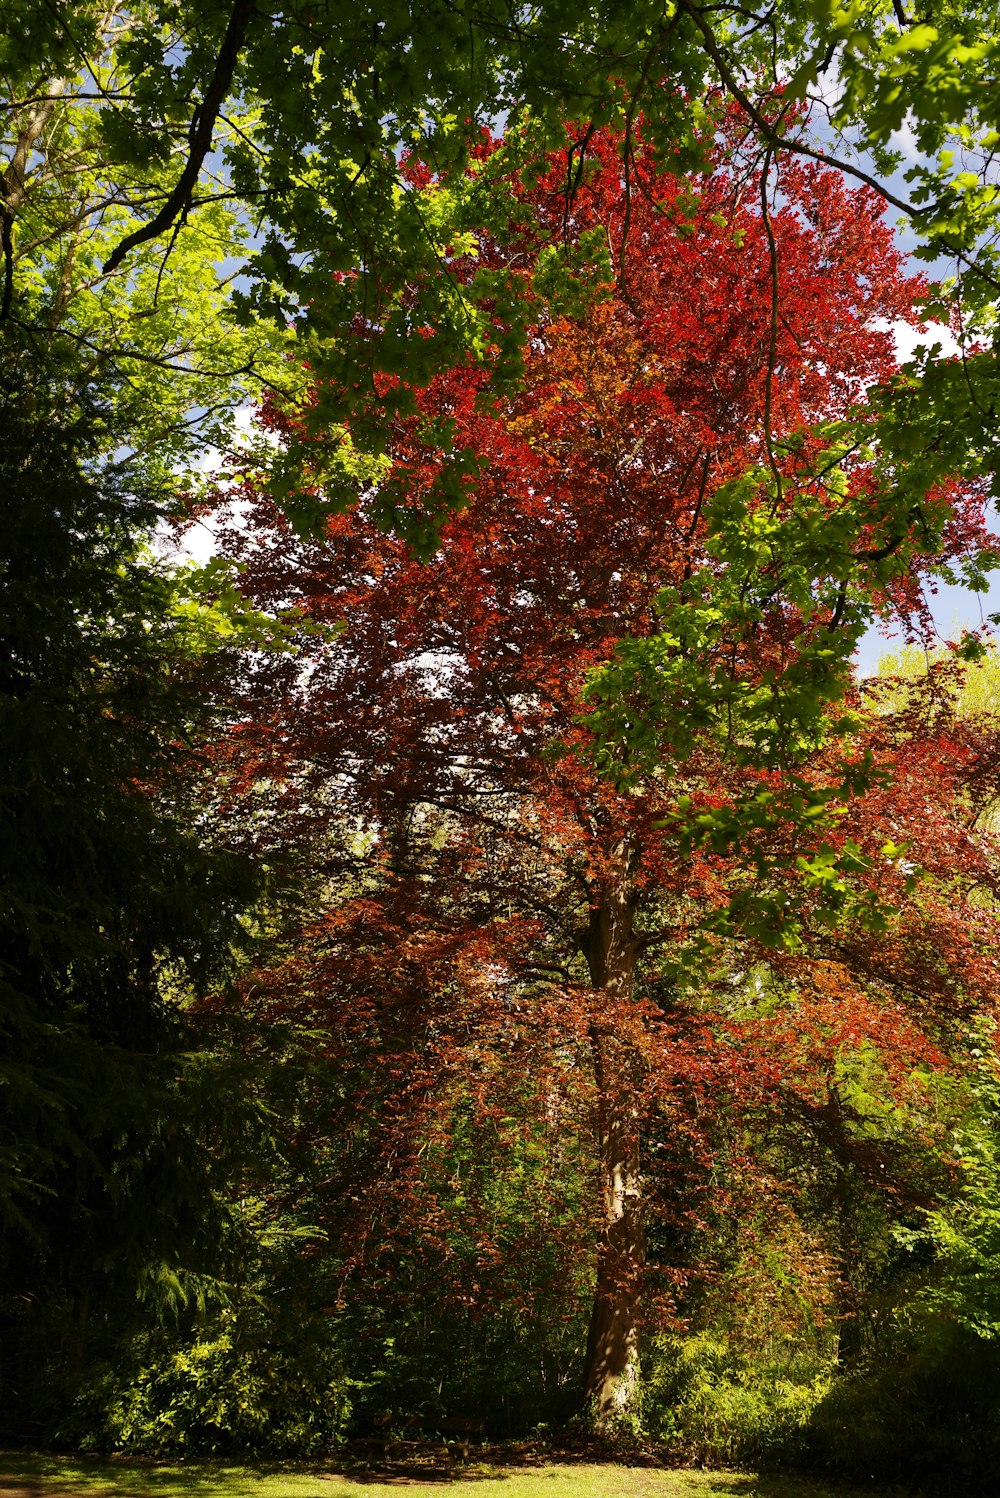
<point>24,1476</point>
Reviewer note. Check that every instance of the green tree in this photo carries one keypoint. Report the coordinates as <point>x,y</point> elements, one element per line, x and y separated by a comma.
<point>115,901</point>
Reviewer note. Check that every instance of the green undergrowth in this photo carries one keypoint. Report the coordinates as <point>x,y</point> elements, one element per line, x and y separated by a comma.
<point>24,1476</point>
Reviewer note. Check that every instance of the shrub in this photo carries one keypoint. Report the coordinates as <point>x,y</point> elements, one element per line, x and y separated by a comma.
<point>930,1404</point>
<point>229,1385</point>
<point>716,1404</point>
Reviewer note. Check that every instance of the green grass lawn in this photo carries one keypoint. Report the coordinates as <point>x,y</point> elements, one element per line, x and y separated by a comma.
<point>23,1476</point>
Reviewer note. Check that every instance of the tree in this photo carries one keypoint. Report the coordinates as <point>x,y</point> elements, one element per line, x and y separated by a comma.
<point>116,904</point>
<point>148,149</point>
<point>501,893</point>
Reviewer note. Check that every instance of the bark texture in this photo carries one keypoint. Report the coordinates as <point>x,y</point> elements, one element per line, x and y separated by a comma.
<point>612,1367</point>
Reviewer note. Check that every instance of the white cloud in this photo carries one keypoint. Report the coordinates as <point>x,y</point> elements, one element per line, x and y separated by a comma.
<point>909,339</point>
<point>904,139</point>
<point>196,545</point>
<point>198,542</point>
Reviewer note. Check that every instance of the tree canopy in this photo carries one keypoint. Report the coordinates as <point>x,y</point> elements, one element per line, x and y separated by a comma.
<point>493,894</point>
<point>477,927</point>
<point>192,191</point>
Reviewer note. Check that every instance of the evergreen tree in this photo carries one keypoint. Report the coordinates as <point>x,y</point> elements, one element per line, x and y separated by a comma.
<point>113,907</point>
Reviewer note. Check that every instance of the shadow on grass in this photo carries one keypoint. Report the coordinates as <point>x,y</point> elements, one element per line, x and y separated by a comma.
<point>24,1475</point>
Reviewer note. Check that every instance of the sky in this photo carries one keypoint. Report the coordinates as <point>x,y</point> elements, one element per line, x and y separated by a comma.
<point>954,608</point>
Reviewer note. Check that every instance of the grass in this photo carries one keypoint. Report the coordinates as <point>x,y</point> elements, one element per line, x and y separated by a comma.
<point>24,1476</point>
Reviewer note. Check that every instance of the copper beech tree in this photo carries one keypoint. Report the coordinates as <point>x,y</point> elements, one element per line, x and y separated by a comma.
<point>507,901</point>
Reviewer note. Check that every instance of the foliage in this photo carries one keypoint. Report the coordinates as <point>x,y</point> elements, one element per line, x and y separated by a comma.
<point>152,153</point>
<point>104,884</point>
<point>717,1406</point>
<point>929,1406</point>
<point>518,951</point>
<point>464,1291</point>
<point>421,1355</point>
<point>579,799</point>
<point>965,1235</point>
<point>950,1316</point>
<point>116,902</point>
<point>921,1394</point>
<point>241,1381</point>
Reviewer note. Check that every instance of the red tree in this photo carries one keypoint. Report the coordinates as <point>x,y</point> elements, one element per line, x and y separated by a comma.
<point>494,894</point>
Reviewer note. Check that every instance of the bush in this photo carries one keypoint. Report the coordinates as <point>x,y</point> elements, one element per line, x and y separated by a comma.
<point>227,1387</point>
<point>718,1405</point>
<point>929,1405</point>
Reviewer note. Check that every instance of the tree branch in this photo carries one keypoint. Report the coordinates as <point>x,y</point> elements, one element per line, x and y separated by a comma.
<point>13,184</point>
<point>175,209</point>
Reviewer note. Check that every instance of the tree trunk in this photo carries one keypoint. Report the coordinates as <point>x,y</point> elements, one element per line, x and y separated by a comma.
<point>849,1258</point>
<point>612,1367</point>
